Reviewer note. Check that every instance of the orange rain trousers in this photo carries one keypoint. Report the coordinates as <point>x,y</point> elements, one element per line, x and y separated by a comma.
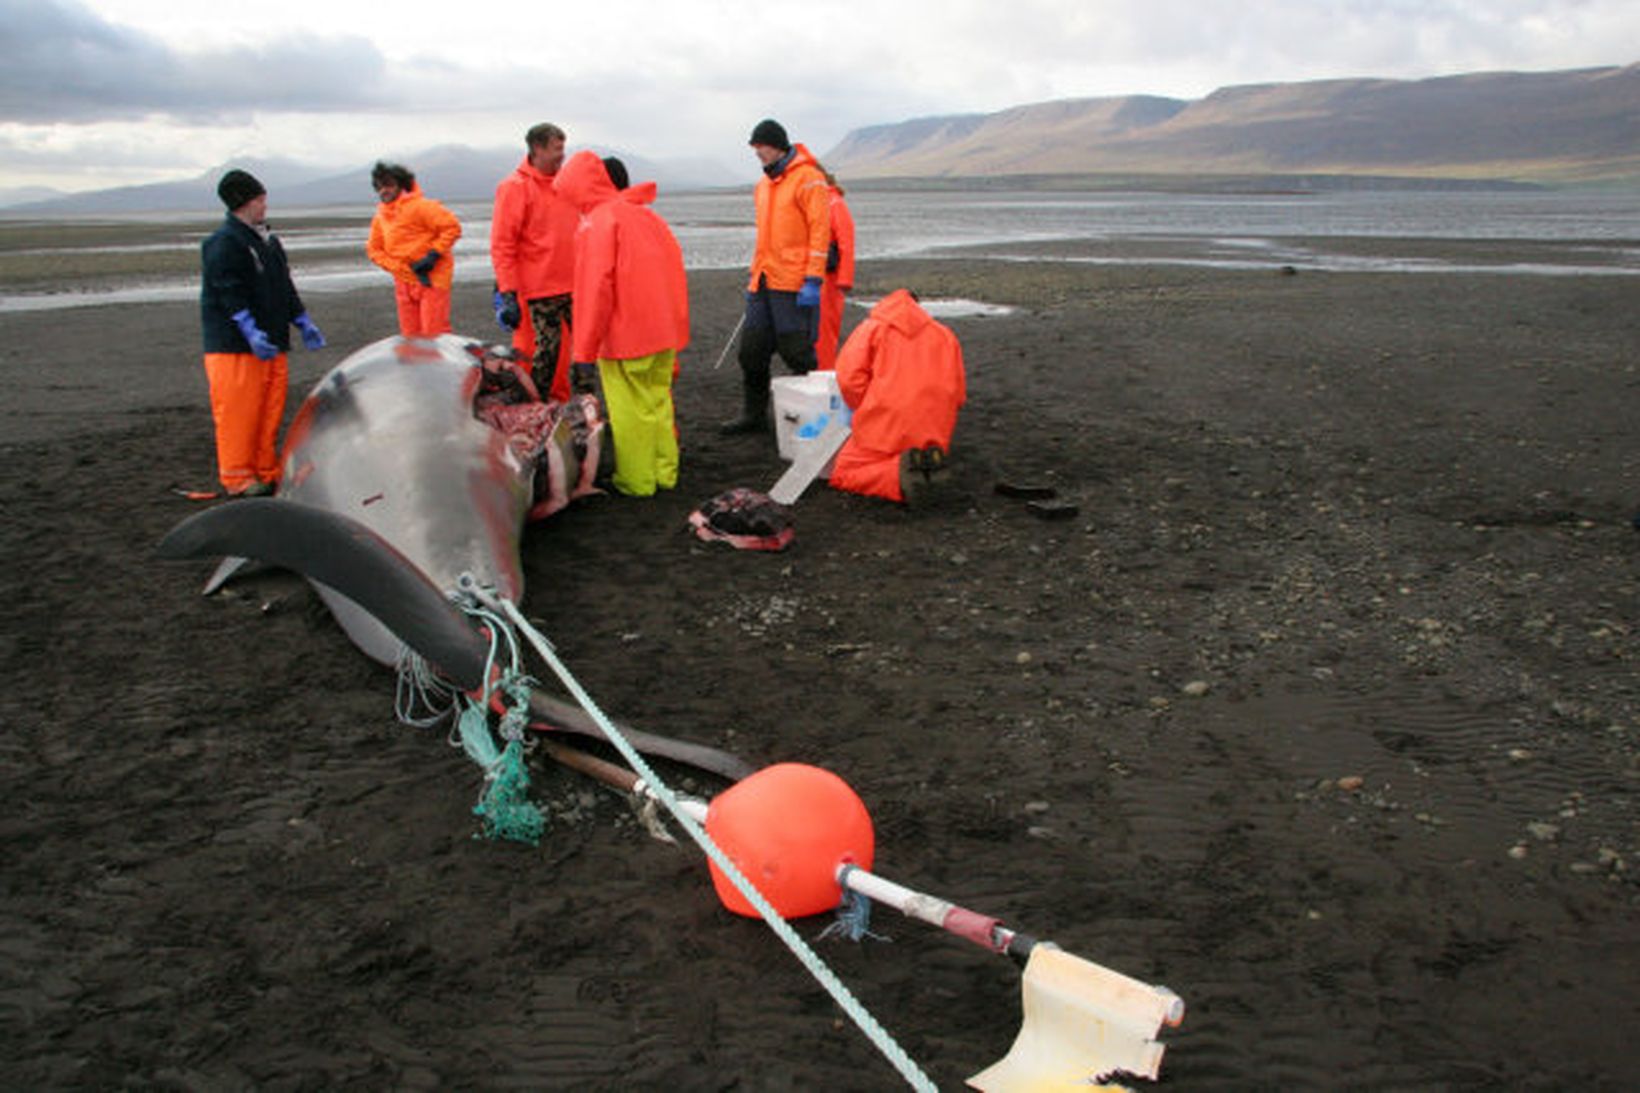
<point>838,284</point>
<point>832,301</point>
<point>859,469</point>
<point>247,404</point>
<point>423,312</point>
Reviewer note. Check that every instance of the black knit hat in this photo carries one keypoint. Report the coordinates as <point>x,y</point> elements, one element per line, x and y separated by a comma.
<point>238,187</point>
<point>617,172</point>
<point>771,133</point>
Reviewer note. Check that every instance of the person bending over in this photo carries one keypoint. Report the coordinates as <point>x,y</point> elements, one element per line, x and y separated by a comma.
<point>901,373</point>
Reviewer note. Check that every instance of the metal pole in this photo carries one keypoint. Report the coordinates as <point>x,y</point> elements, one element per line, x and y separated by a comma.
<point>733,334</point>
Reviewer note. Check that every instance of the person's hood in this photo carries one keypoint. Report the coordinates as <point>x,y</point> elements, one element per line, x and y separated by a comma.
<point>798,156</point>
<point>900,310</point>
<point>406,195</point>
<point>641,193</point>
<point>529,171</point>
<point>584,182</point>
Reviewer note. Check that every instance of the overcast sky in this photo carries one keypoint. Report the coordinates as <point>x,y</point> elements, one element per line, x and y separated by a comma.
<point>97,93</point>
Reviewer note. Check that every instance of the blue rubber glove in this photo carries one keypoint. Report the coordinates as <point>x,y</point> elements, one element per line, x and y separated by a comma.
<point>507,313</point>
<point>311,337</point>
<point>809,294</point>
<point>259,342</point>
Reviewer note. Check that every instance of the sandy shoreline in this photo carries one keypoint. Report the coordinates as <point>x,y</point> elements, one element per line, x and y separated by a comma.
<point>1332,527</point>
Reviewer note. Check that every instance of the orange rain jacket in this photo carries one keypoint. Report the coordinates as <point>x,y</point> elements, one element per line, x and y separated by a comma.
<point>838,283</point>
<point>631,296</point>
<point>405,229</point>
<point>793,225</point>
<point>532,236</point>
<point>902,373</point>
<point>842,238</point>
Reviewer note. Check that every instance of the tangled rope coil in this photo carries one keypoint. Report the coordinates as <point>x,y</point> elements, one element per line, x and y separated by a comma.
<point>423,699</point>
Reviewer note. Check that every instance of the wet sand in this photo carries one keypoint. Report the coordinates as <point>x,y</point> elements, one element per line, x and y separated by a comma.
<point>1322,710</point>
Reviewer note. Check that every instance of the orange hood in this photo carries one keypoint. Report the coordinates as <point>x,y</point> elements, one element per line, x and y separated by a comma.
<point>584,182</point>
<point>900,310</point>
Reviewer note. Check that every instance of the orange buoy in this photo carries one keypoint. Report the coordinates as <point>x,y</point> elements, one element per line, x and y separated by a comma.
<point>788,827</point>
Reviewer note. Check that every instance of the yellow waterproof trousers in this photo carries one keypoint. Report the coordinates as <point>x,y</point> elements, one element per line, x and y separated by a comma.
<point>638,394</point>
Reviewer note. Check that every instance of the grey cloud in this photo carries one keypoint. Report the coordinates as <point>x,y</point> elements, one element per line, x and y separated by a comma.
<point>64,63</point>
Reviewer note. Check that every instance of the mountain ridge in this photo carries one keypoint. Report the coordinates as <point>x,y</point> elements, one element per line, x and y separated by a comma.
<point>1564,127</point>
<point>448,172</point>
<point>1557,128</point>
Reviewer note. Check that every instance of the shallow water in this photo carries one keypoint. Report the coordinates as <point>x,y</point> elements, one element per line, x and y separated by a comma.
<point>1594,233</point>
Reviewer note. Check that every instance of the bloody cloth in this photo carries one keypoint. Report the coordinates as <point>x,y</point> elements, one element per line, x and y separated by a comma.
<point>745,519</point>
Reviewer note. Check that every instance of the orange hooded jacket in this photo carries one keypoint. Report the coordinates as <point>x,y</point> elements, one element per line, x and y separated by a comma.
<point>532,236</point>
<point>793,225</point>
<point>631,295</point>
<point>406,228</point>
<point>902,373</point>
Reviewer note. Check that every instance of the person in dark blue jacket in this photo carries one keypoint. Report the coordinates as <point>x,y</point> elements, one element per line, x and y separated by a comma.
<point>247,305</point>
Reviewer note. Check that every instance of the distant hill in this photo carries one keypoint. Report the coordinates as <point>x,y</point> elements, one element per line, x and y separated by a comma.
<point>1569,127</point>
<point>451,173</point>
<point>17,195</point>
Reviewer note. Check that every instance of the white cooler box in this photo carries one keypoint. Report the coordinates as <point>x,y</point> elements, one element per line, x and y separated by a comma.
<point>806,408</point>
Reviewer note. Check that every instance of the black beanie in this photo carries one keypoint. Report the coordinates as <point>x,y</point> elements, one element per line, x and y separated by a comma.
<point>617,172</point>
<point>772,133</point>
<point>238,187</point>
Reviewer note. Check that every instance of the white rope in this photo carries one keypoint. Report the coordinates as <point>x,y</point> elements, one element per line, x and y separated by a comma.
<point>420,688</point>
<point>857,1012</point>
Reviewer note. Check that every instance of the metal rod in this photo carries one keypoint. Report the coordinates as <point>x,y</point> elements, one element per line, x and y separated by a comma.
<point>733,334</point>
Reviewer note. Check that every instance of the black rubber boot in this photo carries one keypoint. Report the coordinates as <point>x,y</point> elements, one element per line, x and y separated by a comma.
<point>754,416</point>
<point>756,348</point>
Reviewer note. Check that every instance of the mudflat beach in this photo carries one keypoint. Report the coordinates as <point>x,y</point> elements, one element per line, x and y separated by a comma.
<point>1321,709</point>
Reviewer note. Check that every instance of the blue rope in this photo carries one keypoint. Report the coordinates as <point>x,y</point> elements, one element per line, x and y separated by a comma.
<point>853,915</point>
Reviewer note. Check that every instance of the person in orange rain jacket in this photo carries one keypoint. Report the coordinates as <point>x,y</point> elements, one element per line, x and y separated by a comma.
<point>631,316</point>
<point>901,373</point>
<point>839,281</point>
<point>532,250</point>
<point>410,237</point>
<point>783,296</point>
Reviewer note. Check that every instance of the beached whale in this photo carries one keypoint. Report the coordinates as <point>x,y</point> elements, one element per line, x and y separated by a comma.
<point>407,468</point>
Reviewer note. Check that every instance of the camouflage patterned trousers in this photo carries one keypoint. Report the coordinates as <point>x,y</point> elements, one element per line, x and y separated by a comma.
<point>549,316</point>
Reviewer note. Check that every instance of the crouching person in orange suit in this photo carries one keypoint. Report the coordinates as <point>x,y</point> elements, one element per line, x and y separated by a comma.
<point>901,373</point>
